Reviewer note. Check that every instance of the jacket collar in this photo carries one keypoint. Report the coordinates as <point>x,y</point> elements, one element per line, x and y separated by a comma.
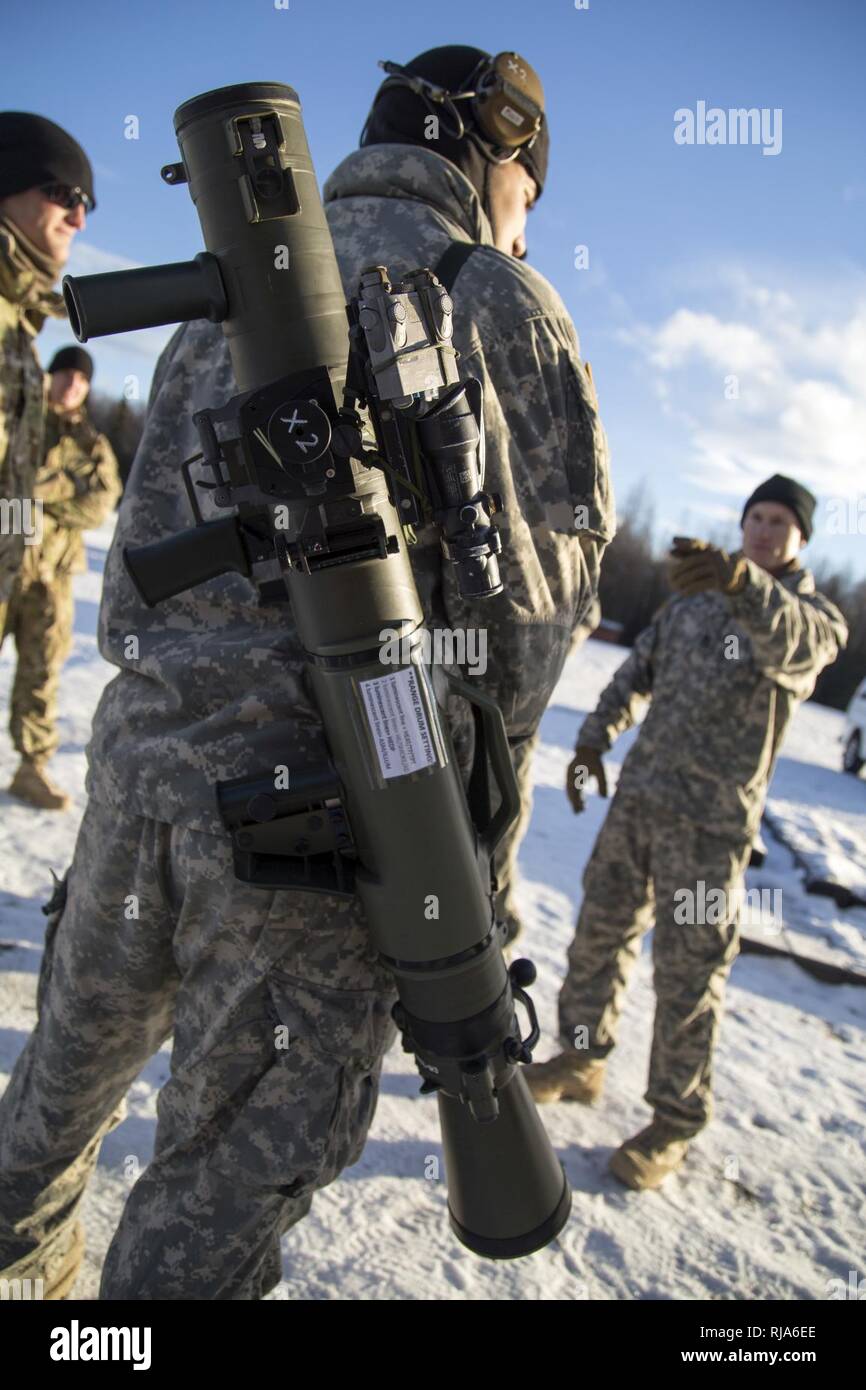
<point>794,576</point>
<point>408,171</point>
<point>27,277</point>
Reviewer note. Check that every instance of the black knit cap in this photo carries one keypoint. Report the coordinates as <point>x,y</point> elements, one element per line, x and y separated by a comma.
<point>397,117</point>
<point>72,357</point>
<point>35,151</point>
<point>791,494</point>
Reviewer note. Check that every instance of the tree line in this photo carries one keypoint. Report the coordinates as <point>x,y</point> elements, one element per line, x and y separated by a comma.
<point>122,423</point>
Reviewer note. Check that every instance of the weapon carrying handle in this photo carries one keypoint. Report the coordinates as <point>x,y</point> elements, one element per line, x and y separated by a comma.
<point>496,748</point>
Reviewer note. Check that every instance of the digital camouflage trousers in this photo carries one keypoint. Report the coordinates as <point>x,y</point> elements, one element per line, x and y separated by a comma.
<point>280,1013</point>
<point>643,868</point>
<point>505,860</point>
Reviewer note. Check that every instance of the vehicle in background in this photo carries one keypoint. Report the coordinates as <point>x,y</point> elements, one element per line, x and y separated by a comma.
<point>854,737</point>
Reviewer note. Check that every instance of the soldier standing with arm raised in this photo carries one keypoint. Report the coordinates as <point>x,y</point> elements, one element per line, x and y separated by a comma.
<point>724,663</point>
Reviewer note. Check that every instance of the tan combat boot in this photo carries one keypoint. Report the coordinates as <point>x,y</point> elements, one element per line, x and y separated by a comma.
<point>31,784</point>
<point>647,1159</point>
<point>568,1076</point>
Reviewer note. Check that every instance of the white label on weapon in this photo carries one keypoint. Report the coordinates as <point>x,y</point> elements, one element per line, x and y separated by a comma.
<point>398,722</point>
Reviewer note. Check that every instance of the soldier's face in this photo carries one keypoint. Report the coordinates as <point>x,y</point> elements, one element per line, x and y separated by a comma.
<point>69,389</point>
<point>49,226</point>
<point>513,190</point>
<point>771,536</point>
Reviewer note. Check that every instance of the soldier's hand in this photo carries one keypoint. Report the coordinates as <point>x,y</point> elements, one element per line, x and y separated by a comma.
<point>696,566</point>
<point>586,763</point>
<point>59,487</point>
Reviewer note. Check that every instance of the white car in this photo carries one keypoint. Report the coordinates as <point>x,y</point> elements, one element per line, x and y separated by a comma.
<point>854,737</point>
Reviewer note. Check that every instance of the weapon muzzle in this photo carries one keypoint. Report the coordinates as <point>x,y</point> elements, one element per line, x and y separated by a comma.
<point>145,298</point>
<point>507,1192</point>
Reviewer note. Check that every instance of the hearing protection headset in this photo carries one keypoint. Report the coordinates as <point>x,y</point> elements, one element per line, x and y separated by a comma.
<point>505,95</point>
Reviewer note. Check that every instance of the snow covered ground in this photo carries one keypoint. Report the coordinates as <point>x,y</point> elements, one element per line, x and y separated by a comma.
<point>772,1201</point>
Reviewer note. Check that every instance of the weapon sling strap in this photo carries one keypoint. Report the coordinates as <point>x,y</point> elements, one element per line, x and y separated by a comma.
<point>452,261</point>
<point>446,270</point>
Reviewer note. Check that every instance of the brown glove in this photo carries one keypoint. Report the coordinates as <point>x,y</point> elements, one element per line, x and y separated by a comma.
<point>586,763</point>
<point>59,487</point>
<point>696,566</point>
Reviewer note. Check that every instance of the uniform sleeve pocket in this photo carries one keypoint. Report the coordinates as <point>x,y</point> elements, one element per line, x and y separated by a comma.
<point>54,910</point>
<point>587,461</point>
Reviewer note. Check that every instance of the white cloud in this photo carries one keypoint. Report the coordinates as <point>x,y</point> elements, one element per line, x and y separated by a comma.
<point>842,348</point>
<point>799,401</point>
<point>120,354</point>
<point>825,420</point>
<point>86,259</point>
<point>732,347</point>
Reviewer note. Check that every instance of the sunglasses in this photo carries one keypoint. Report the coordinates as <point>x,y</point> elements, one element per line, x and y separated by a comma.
<point>66,197</point>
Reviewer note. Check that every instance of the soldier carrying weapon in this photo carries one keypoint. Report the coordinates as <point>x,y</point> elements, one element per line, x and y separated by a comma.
<point>214,688</point>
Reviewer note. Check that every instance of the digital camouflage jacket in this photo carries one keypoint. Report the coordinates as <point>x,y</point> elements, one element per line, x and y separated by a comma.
<point>78,484</point>
<point>210,684</point>
<point>724,675</point>
<point>25,301</point>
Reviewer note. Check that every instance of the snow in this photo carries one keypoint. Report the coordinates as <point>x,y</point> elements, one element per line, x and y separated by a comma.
<point>771,1202</point>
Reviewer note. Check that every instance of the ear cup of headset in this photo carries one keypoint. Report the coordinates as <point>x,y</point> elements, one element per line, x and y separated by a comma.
<point>508,108</point>
<point>510,102</point>
<point>490,110</point>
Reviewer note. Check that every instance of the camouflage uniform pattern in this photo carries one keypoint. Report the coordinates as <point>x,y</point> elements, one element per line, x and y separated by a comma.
<point>216,690</point>
<point>25,301</point>
<point>686,809</point>
<point>724,675</point>
<point>217,677</point>
<point>546,449</point>
<point>522,754</point>
<point>281,1017</point>
<point>505,863</point>
<point>78,484</point>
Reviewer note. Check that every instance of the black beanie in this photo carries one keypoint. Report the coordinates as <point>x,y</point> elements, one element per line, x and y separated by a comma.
<point>791,494</point>
<point>397,117</point>
<point>35,151</point>
<point>72,357</point>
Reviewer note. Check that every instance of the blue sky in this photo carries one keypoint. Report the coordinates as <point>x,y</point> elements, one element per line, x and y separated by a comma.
<point>724,307</point>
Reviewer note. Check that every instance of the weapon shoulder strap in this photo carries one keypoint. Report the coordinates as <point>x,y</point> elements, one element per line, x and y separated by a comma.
<point>446,270</point>
<point>452,261</point>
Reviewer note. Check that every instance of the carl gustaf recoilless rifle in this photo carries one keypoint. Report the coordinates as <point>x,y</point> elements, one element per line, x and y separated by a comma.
<point>386,818</point>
